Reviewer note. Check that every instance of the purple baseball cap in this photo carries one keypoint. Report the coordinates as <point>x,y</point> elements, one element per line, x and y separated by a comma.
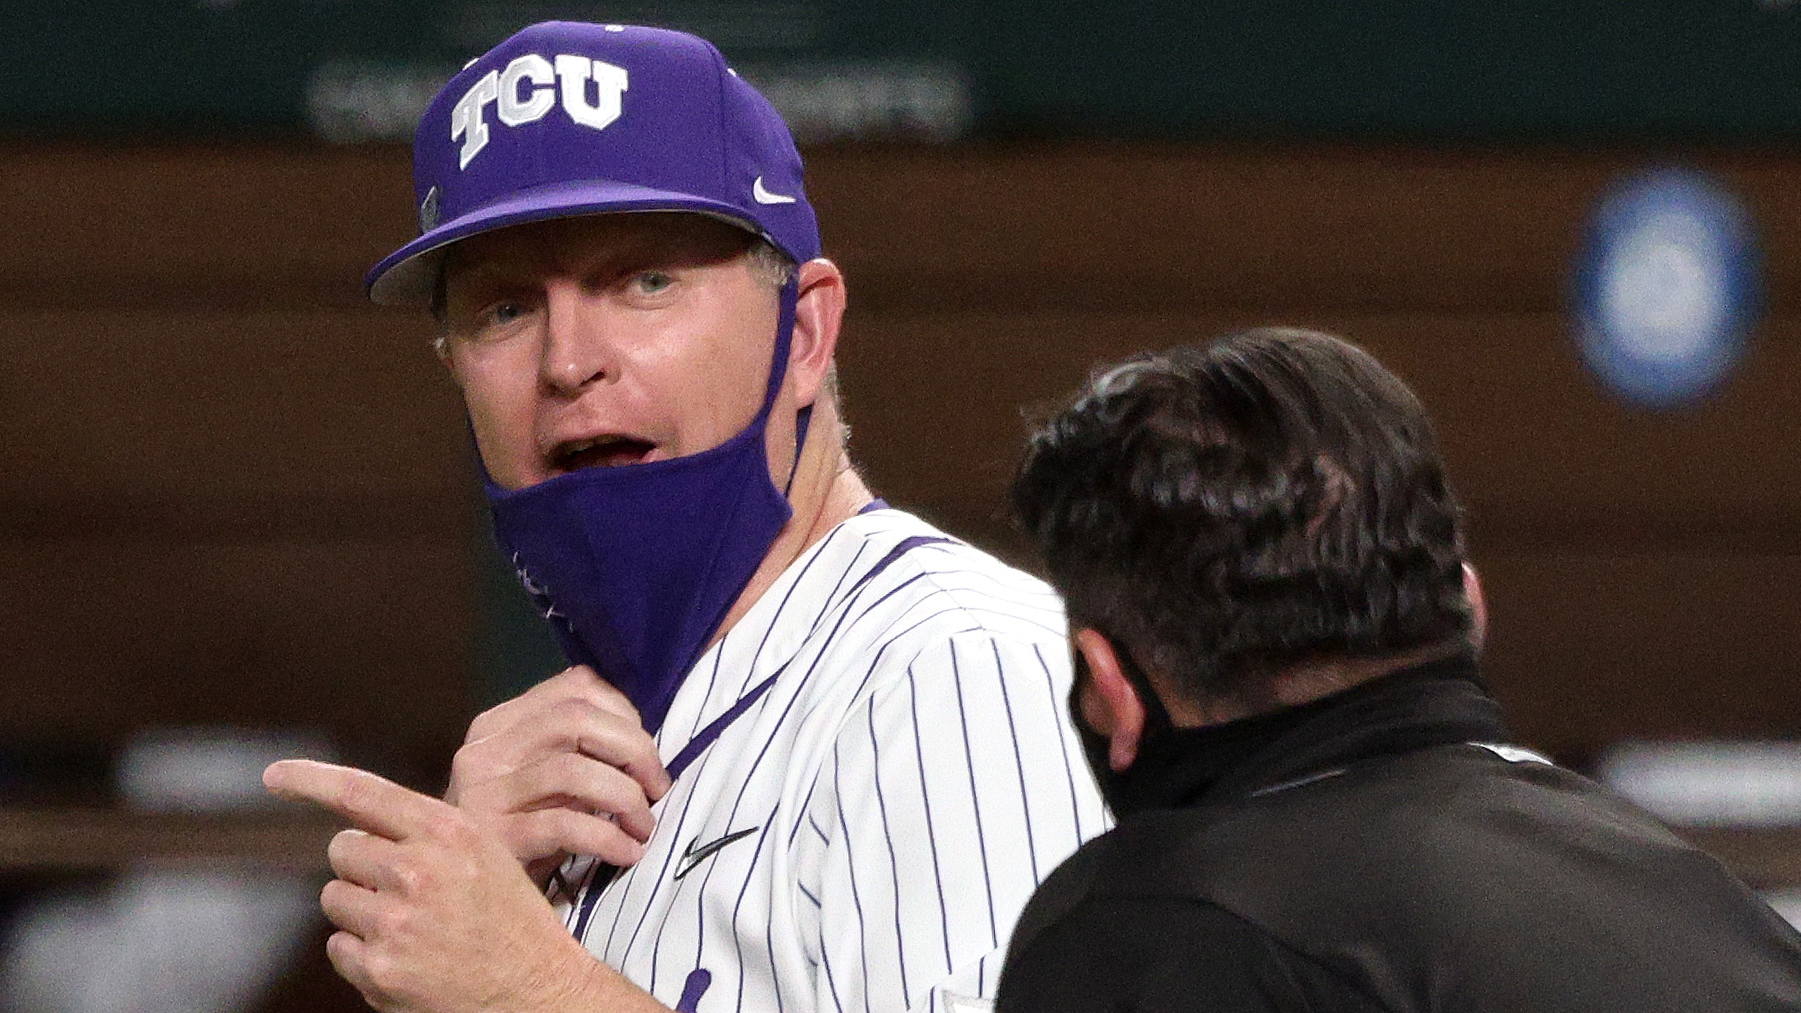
<point>568,119</point>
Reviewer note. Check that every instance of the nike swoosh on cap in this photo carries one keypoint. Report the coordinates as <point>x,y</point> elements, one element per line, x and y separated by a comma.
<point>693,856</point>
<point>764,196</point>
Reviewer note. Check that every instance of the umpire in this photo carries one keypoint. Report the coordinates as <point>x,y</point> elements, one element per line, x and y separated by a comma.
<point>1320,809</point>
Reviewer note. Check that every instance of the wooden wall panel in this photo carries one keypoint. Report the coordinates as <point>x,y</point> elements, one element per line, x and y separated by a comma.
<point>1542,458</point>
<point>1591,647</point>
<point>1302,230</point>
<point>366,640</point>
<point>237,516</point>
<point>230,489</point>
<point>177,227</point>
<point>1104,226</point>
<point>185,404</point>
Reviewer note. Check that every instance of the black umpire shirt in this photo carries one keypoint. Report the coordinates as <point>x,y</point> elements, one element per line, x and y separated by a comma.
<point>1383,849</point>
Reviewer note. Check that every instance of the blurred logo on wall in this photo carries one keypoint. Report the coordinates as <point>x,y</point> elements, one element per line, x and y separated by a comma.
<point>1668,287</point>
<point>830,77</point>
<point>349,101</point>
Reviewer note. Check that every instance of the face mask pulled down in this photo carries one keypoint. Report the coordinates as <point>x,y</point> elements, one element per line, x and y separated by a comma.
<point>635,567</point>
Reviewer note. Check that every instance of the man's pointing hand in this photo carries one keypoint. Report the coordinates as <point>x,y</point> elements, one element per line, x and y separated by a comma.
<point>436,914</point>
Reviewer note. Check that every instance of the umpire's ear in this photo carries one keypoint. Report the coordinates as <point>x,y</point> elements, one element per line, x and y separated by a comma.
<point>1107,699</point>
<point>1472,589</point>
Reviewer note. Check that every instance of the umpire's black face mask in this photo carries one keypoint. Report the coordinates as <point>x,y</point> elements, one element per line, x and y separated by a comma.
<point>1138,787</point>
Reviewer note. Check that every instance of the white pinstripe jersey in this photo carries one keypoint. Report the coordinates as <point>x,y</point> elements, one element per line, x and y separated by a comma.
<point>891,797</point>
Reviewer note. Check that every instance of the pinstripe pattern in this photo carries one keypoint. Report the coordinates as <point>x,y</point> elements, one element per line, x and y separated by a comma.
<point>909,774</point>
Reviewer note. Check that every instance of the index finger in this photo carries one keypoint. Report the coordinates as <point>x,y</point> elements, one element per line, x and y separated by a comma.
<point>577,682</point>
<point>611,696</point>
<point>584,683</point>
<point>370,802</point>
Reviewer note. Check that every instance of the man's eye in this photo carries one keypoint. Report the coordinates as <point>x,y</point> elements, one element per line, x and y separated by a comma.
<point>503,313</point>
<point>651,282</point>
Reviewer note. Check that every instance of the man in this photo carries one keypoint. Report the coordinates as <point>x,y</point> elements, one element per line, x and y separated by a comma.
<point>1319,807</point>
<point>811,754</point>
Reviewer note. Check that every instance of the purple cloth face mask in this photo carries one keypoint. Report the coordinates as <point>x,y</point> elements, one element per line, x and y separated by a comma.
<point>635,567</point>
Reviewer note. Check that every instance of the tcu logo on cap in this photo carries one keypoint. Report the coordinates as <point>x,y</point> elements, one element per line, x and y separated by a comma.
<point>527,89</point>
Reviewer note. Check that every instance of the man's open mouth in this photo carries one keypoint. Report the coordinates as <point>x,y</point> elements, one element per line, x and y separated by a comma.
<point>600,452</point>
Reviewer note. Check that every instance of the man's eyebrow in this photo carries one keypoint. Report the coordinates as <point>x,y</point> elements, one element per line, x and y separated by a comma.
<point>481,272</point>
<point>639,254</point>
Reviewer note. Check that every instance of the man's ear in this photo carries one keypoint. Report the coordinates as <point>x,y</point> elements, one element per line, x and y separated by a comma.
<point>817,317</point>
<point>1472,589</point>
<point>441,345</point>
<point>1108,700</point>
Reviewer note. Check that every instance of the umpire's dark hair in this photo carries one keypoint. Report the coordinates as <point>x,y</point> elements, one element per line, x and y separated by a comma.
<point>1228,510</point>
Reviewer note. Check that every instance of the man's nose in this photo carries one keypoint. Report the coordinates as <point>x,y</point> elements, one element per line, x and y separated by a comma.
<point>576,350</point>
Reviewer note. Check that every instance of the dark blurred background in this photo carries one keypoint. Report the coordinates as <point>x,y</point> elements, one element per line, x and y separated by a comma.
<point>237,508</point>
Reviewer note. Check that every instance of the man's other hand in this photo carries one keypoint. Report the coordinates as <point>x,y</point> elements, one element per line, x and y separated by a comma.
<point>565,768</point>
<point>433,913</point>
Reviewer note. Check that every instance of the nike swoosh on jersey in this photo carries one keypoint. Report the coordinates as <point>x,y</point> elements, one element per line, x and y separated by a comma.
<point>693,856</point>
<point>763,196</point>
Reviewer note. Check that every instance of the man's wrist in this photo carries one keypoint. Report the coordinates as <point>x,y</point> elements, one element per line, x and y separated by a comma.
<point>587,984</point>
